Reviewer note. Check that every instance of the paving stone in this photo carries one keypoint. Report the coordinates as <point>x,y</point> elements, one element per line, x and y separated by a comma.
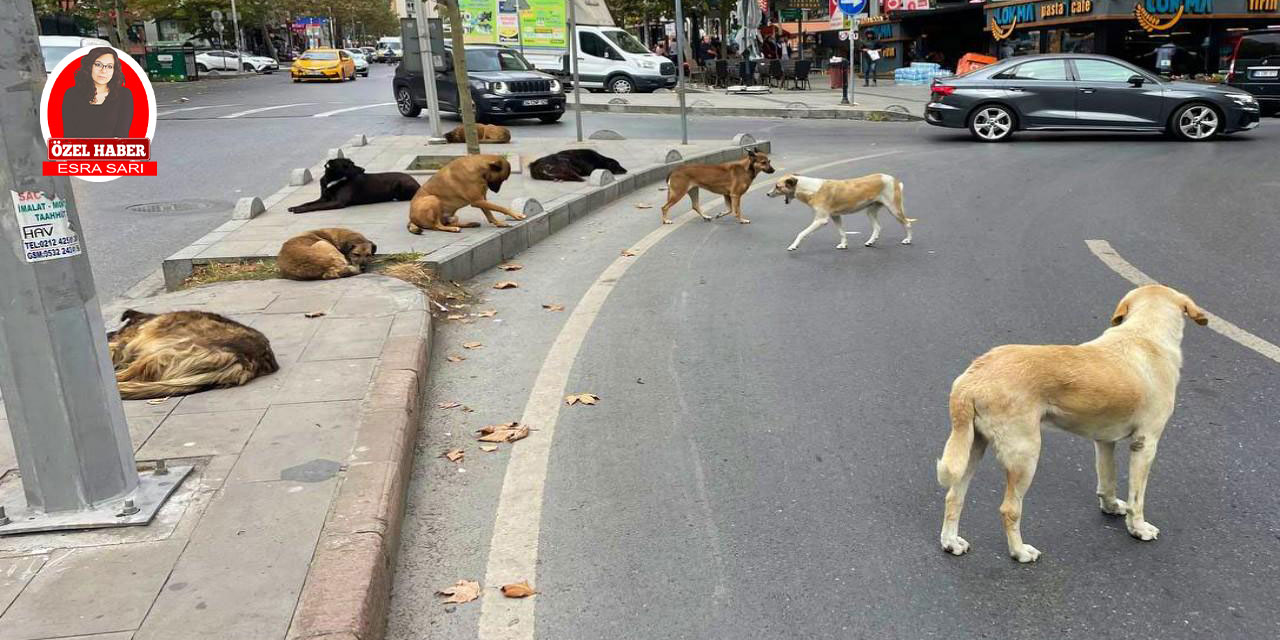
<point>305,301</point>
<point>327,380</point>
<point>15,573</point>
<point>201,434</point>
<point>344,338</point>
<point>288,333</point>
<point>244,567</point>
<point>292,435</point>
<point>141,428</point>
<point>257,394</point>
<point>67,597</point>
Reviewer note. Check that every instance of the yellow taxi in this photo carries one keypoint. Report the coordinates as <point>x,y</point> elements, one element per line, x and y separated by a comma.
<point>323,64</point>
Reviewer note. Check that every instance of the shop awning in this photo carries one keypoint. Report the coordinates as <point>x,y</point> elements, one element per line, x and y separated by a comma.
<point>810,26</point>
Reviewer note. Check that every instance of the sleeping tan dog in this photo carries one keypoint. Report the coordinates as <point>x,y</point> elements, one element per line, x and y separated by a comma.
<point>831,199</point>
<point>462,182</point>
<point>1119,385</point>
<point>485,133</point>
<point>324,254</point>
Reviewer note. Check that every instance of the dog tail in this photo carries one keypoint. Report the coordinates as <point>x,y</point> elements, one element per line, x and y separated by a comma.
<point>897,200</point>
<point>955,457</point>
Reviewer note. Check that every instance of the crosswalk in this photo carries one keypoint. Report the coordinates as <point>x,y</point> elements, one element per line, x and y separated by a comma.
<point>234,111</point>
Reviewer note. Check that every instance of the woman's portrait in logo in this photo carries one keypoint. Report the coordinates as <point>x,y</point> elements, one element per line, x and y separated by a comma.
<point>98,92</point>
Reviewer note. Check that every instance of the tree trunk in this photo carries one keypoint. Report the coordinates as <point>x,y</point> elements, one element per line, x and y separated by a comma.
<point>465,105</point>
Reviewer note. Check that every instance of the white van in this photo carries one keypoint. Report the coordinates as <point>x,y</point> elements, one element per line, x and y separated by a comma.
<point>612,59</point>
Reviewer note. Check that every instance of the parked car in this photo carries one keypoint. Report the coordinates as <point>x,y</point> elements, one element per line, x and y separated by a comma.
<point>55,48</point>
<point>613,60</point>
<point>361,62</point>
<point>223,60</point>
<point>1084,92</point>
<point>503,86</point>
<point>1255,67</point>
<point>369,53</point>
<point>323,64</point>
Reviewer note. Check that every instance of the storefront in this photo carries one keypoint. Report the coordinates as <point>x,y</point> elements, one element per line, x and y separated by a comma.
<point>1174,37</point>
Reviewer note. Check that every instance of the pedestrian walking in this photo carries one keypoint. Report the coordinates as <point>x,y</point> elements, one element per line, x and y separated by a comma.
<point>870,57</point>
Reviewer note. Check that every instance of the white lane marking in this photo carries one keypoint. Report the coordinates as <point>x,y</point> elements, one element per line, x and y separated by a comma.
<point>513,550</point>
<point>326,114</point>
<point>1118,264</point>
<point>212,106</point>
<point>261,109</point>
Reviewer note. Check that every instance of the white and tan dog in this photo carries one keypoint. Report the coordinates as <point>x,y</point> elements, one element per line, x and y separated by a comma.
<point>1119,385</point>
<point>831,199</point>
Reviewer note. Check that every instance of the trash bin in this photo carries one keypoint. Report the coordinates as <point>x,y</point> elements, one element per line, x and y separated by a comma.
<point>171,62</point>
<point>838,72</point>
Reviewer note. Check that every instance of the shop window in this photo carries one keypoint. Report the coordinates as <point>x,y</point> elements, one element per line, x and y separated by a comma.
<point>1022,44</point>
<point>1037,70</point>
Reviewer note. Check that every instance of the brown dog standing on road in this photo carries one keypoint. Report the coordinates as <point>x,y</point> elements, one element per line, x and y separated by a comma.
<point>324,254</point>
<point>486,133</point>
<point>731,180</point>
<point>1122,384</point>
<point>463,182</point>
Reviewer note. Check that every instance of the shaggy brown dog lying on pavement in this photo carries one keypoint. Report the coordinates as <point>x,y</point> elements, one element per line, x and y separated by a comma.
<point>460,183</point>
<point>181,352</point>
<point>324,254</point>
<point>487,133</point>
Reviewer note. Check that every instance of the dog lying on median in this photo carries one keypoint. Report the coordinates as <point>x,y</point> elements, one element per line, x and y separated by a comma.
<point>572,165</point>
<point>324,254</point>
<point>345,184</point>
<point>730,179</point>
<point>831,199</point>
<point>486,133</point>
<point>1122,384</point>
<point>460,183</point>
<point>182,352</point>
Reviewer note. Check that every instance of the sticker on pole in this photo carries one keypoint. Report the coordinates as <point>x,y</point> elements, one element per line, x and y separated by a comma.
<point>46,230</point>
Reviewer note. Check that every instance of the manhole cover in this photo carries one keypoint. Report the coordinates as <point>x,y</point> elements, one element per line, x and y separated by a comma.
<point>177,206</point>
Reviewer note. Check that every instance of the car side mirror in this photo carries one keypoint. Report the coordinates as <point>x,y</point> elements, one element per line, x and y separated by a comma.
<point>1137,80</point>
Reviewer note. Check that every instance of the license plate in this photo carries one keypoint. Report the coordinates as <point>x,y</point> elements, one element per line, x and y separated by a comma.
<point>315,73</point>
<point>1266,73</point>
<point>535,103</point>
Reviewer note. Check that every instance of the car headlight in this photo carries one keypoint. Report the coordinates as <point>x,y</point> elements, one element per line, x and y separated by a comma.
<point>499,88</point>
<point>1243,99</point>
<point>555,86</point>
<point>648,64</point>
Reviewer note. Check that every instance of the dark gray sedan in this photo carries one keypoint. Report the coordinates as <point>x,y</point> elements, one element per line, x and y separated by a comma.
<point>1084,92</point>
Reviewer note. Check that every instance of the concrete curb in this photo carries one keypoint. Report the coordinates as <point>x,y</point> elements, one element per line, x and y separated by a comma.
<point>870,115</point>
<point>348,586</point>
<point>463,260</point>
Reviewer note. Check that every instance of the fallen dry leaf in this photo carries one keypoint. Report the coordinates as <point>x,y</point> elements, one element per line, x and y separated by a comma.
<point>155,401</point>
<point>488,313</point>
<point>472,345</point>
<point>448,405</point>
<point>581,398</point>
<point>488,448</point>
<point>313,314</point>
<point>627,253</point>
<point>643,205</point>
<point>511,266</point>
<point>466,409</point>
<point>505,284</point>
<point>487,429</point>
<point>454,455</point>
<point>505,432</point>
<point>455,358</point>
<point>456,316</point>
<point>518,590</point>
<point>520,434</point>
<point>462,591</point>
<point>553,307</point>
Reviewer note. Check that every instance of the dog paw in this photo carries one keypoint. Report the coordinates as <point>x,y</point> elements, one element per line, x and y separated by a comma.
<point>791,248</point>
<point>1024,554</point>
<point>516,215</point>
<point>667,222</point>
<point>869,243</point>
<point>906,241</point>
<point>1144,531</point>
<point>842,245</point>
<point>499,223</point>
<point>743,221</point>
<point>707,218</point>
<point>955,545</point>
<point>1115,507</point>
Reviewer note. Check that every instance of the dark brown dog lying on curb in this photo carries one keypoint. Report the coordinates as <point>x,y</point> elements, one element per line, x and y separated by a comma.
<point>731,180</point>
<point>181,352</point>
<point>487,133</point>
<point>345,184</point>
<point>460,183</point>
<point>324,254</point>
<point>572,165</point>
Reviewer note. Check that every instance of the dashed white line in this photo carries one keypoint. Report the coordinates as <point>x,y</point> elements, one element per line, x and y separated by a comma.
<point>261,109</point>
<point>513,550</point>
<point>326,114</point>
<point>1118,264</point>
<point>211,106</point>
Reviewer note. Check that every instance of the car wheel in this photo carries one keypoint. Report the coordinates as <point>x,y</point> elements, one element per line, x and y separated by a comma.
<point>365,74</point>
<point>622,84</point>
<point>548,119</point>
<point>248,67</point>
<point>992,123</point>
<point>201,67</point>
<point>405,104</point>
<point>1196,122</point>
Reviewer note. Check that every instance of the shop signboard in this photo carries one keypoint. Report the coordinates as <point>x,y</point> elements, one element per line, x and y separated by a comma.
<point>906,5</point>
<point>801,4</point>
<point>1002,20</point>
<point>479,21</point>
<point>543,24</point>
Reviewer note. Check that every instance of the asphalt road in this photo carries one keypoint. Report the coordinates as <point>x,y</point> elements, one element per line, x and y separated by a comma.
<point>761,462</point>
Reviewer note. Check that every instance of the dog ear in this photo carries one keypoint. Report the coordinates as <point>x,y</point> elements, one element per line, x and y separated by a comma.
<point>496,166</point>
<point>751,151</point>
<point>1121,311</point>
<point>1194,311</point>
<point>791,181</point>
<point>373,249</point>
<point>130,314</point>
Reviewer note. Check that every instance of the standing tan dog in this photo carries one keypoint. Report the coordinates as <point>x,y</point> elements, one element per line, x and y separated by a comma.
<point>463,182</point>
<point>324,254</point>
<point>181,352</point>
<point>731,180</point>
<point>831,199</point>
<point>1119,385</point>
<point>485,133</point>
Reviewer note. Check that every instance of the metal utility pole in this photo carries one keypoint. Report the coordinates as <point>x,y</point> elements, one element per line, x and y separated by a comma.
<point>57,379</point>
<point>465,104</point>
<point>684,117</point>
<point>428,70</point>
<point>573,58</point>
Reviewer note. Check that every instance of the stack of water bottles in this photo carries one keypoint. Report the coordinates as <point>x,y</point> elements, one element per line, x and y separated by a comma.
<point>920,73</point>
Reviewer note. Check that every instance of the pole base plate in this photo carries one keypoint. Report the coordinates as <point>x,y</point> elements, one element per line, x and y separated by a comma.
<point>151,493</point>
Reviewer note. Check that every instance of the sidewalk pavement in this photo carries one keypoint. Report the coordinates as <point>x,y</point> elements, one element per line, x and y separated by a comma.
<point>885,102</point>
<point>288,525</point>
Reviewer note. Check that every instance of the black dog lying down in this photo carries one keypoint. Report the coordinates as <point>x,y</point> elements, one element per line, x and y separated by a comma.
<point>572,165</point>
<point>345,184</point>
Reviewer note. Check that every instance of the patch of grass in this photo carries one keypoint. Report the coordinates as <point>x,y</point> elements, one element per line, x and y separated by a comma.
<point>213,272</point>
<point>445,295</point>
